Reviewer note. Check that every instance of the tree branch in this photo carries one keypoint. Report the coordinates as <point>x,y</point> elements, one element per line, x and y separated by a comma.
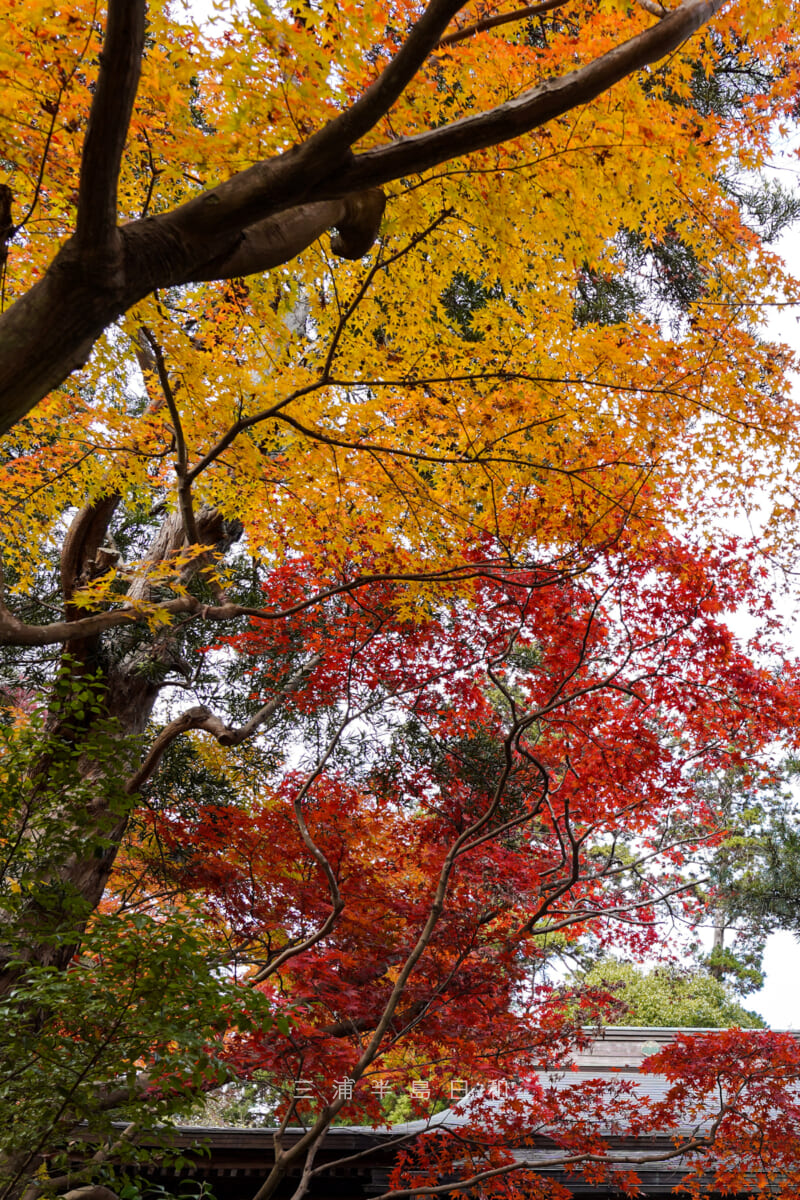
<point>531,110</point>
<point>337,903</point>
<point>519,14</point>
<point>109,118</point>
<point>82,544</point>
<point>390,84</point>
<point>655,8</point>
<point>182,462</point>
<point>90,1191</point>
<point>201,717</point>
<point>279,239</point>
<point>14,632</point>
<point>272,186</point>
<point>193,718</point>
<point>324,164</point>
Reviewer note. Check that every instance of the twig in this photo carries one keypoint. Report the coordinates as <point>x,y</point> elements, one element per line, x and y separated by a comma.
<point>324,378</point>
<point>182,462</point>
<point>519,14</point>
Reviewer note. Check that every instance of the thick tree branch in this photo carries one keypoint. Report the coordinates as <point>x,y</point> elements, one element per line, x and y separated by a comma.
<point>89,1191</point>
<point>109,118</point>
<point>121,1091</point>
<point>275,185</point>
<point>80,556</point>
<point>279,239</point>
<point>226,736</point>
<point>7,227</point>
<point>653,7</point>
<point>527,112</point>
<point>325,166</point>
<point>193,718</point>
<point>14,632</point>
<point>379,98</point>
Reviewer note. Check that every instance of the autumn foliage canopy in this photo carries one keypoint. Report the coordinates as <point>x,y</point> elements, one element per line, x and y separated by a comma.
<point>385,384</point>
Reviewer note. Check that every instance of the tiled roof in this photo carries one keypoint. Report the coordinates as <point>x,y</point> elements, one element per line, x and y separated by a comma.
<point>615,1056</point>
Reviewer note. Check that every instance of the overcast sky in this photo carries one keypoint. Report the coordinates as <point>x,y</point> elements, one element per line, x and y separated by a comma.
<point>779,1001</point>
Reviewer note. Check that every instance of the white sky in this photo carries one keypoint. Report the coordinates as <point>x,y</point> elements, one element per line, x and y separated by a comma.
<point>779,1000</point>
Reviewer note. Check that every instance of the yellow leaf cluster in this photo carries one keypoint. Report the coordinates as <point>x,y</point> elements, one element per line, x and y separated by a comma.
<point>330,406</point>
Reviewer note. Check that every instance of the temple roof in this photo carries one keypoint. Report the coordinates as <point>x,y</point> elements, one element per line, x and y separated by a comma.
<point>232,1160</point>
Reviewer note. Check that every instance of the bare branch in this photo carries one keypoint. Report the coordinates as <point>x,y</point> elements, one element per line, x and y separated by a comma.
<point>193,718</point>
<point>519,14</point>
<point>182,463</point>
<point>201,717</point>
<point>234,737</point>
<point>122,1091</point>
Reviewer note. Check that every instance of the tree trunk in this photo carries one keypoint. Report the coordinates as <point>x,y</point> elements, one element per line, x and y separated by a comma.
<point>107,689</point>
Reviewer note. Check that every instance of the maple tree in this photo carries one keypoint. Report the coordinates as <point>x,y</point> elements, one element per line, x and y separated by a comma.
<point>351,646</point>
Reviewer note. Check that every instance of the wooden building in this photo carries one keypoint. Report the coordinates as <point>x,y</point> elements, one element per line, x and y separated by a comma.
<point>234,1162</point>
